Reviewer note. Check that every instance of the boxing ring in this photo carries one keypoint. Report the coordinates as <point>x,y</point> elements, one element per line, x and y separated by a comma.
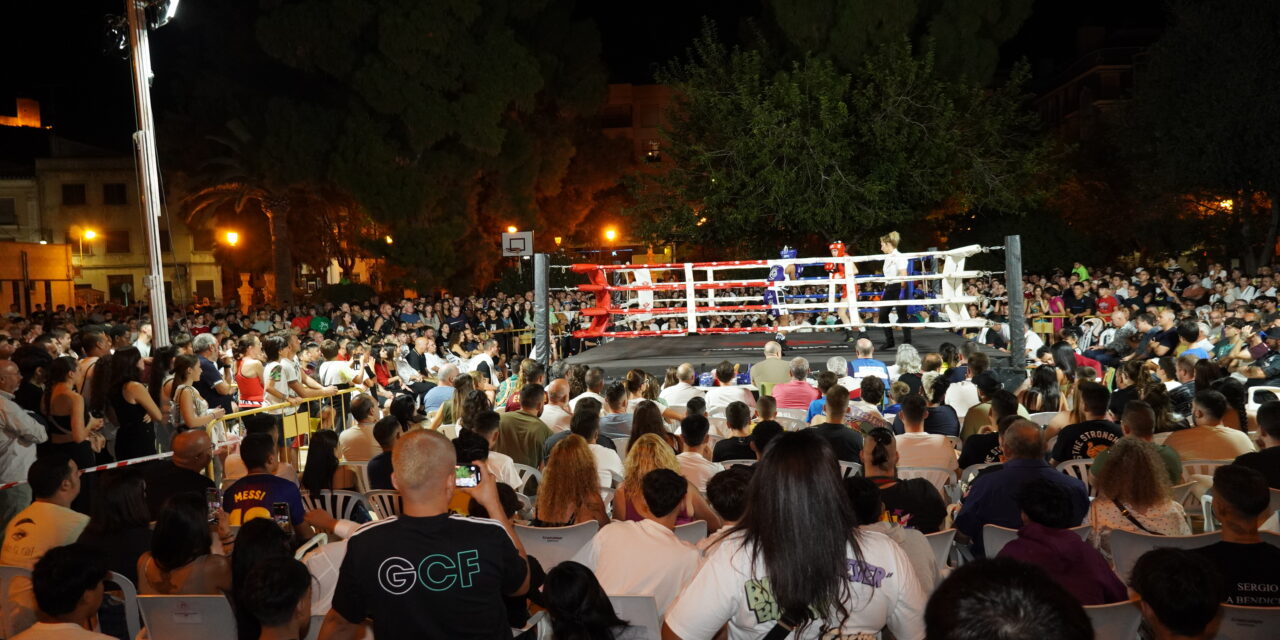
<point>683,293</point>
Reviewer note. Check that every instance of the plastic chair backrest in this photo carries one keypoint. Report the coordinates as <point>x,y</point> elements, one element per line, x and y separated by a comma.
<point>794,414</point>
<point>940,542</point>
<point>8,608</point>
<point>1181,491</point>
<point>733,463</point>
<point>850,469</point>
<point>719,427</point>
<point>995,537</point>
<point>970,472</point>
<point>450,431</point>
<point>693,532</point>
<point>1201,467</point>
<point>385,503</point>
<point>129,593</point>
<point>1079,469</point>
<point>1248,623</point>
<point>621,443</point>
<point>791,424</point>
<point>524,472</point>
<point>937,476</point>
<point>1118,620</point>
<point>1043,418</point>
<point>316,541</point>
<point>361,469</point>
<point>553,545</point>
<point>340,504</point>
<point>1127,546</point>
<point>1252,403</point>
<point>641,614</point>
<point>956,442</point>
<point>313,632</point>
<point>188,617</point>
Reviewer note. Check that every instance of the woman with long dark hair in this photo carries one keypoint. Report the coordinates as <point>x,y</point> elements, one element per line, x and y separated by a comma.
<point>181,560</point>
<point>258,541</point>
<point>578,607</point>
<point>780,563</point>
<point>324,471</point>
<point>120,525</point>
<point>70,425</point>
<point>136,414</point>
<point>1043,394</point>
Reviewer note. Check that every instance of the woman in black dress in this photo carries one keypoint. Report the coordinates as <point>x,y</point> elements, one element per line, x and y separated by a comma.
<point>136,414</point>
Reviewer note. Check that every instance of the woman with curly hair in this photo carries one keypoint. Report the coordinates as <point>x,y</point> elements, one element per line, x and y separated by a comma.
<point>570,490</point>
<point>646,453</point>
<point>1134,494</point>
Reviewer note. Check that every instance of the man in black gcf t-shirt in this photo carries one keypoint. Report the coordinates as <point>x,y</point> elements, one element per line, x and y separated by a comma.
<point>426,573</point>
<point>1093,436</point>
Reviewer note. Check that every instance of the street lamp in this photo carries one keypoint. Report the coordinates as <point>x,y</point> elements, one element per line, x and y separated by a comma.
<point>232,238</point>
<point>86,234</point>
<point>610,234</point>
<point>512,229</point>
<point>389,239</point>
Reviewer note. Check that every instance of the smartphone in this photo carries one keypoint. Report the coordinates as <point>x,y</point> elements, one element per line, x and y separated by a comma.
<point>280,513</point>
<point>466,475</point>
<point>214,498</point>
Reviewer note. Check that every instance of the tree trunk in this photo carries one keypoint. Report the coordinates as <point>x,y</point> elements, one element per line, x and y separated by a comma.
<point>1244,204</point>
<point>277,210</point>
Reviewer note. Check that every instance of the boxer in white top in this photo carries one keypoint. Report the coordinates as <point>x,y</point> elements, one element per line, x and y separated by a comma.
<point>894,265</point>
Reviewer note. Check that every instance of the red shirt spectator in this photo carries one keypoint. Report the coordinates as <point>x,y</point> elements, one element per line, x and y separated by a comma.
<point>796,394</point>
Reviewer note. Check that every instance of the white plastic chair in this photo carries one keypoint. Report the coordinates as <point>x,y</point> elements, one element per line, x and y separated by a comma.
<point>641,614</point>
<point>340,504</point>
<point>553,545</point>
<point>1115,621</point>
<point>970,472</point>
<point>733,463</point>
<point>1211,523</point>
<point>849,469</point>
<point>523,473</point>
<point>1127,546</point>
<point>450,431</point>
<point>940,542</point>
<point>937,476</point>
<point>188,617</point>
<point>1248,623</point>
<point>795,414</point>
<point>316,541</point>
<point>1252,403</point>
<point>361,469</point>
<point>313,632</point>
<point>1079,469</point>
<point>621,443</point>
<point>1043,418</point>
<point>791,424</point>
<point>693,532</point>
<point>1201,467</point>
<point>385,503</point>
<point>128,593</point>
<point>956,443</point>
<point>719,427</point>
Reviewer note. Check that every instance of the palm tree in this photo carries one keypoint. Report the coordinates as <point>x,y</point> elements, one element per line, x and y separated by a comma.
<point>239,180</point>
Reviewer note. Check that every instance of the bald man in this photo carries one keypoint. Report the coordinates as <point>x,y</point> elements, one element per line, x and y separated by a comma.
<point>679,394</point>
<point>556,414</point>
<point>991,498</point>
<point>772,370</point>
<point>184,472</point>
<point>19,435</point>
<point>427,573</point>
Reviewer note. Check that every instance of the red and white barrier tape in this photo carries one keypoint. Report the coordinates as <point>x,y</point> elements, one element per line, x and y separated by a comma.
<point>125,463</point>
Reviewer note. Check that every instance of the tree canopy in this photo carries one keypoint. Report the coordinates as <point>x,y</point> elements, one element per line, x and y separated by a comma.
<point>763,157</point>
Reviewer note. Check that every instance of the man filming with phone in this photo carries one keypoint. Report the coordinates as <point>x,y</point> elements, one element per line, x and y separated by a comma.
<point>427,573</point>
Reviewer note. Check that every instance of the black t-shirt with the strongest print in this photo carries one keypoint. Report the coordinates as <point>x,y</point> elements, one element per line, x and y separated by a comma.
<point>439,577</point>
<point>1085,440</point>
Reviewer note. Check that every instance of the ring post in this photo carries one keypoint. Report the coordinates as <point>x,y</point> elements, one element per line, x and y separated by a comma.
<point>1017,310</point>
<point>541,310</point>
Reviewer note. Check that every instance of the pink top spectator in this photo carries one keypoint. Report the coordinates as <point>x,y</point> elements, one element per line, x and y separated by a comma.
<point>796,394</point>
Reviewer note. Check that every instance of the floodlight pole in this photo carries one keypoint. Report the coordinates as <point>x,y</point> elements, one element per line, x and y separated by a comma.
<point>1013,292</point>
<point>144,140</point>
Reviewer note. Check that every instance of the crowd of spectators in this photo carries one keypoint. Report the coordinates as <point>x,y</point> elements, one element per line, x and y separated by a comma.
<point>816,485</point>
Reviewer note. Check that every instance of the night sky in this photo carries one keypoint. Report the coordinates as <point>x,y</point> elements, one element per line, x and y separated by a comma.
<point>54,50</point>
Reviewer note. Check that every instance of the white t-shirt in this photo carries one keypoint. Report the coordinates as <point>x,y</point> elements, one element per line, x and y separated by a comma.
<point>926,450</point>
<point>641,558</point>
<point>718,398</point>
<point>278,375</point>
<point>679,394</point>
<point>962,396</point>
<point>556,419</point>
<point>36,529</point>
<point>884,590</point>
<point>59,631</point>
<point>607,463</point>
<point>697,469</point>
<point>503,467</point>
<point>573,404</point>
<point>334,373</point>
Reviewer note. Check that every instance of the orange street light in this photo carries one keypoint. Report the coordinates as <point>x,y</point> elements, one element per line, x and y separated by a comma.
<point>89,234</point>
<point>559,240</point>
<point>610,234</point>
<point>232,238</point>
<point>389,239</point>
<point>512,229</point>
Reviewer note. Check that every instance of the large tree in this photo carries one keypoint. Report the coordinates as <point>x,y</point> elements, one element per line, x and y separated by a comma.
<point>810,153</point>
<point>1205,117</point>
<point>966,34</point>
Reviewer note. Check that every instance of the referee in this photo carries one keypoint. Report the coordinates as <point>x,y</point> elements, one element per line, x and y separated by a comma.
<point>894,265</point>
